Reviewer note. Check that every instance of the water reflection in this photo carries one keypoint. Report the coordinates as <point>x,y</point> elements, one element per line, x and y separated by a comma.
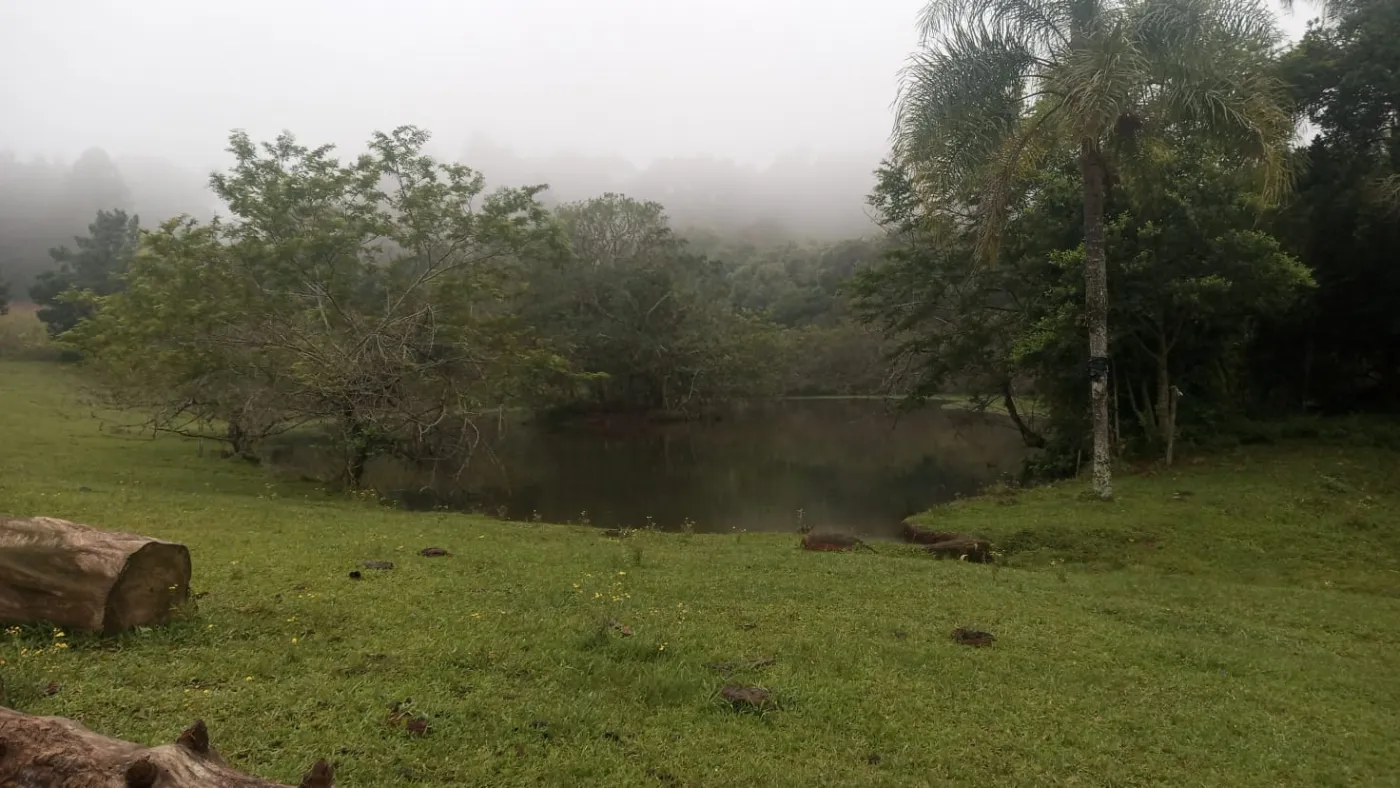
<point>849,464</point>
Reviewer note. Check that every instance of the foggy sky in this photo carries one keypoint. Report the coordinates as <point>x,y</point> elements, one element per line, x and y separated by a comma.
<point>748,80</point>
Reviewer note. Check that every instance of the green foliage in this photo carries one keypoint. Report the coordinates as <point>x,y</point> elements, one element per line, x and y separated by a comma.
<point>953,321</point>
<point>1001,89</point>
<point>94,269</point>
<point>1339,351</point>
<point>1190,286</point>
<point>654,320</point>
<point>23,337</point>
<point>372,298</point>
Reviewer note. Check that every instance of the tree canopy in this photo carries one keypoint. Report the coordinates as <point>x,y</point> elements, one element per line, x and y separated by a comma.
<point>1000,88</point>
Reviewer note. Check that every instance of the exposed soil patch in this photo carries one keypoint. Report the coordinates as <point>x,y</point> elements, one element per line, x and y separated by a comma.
<point>742,698</point>
<point>418,726</point>
<point>433,552</point>
<point>380,565</point>
<point>972,637</point>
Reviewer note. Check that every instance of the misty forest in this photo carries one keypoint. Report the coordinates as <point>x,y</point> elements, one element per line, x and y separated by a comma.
<point>1113,318</point>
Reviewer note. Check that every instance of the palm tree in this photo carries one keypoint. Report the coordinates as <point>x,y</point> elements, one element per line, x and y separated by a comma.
<point>1000,85</point>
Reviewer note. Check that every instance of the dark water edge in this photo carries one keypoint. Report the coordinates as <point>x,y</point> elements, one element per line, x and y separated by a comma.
<point>852,464</point>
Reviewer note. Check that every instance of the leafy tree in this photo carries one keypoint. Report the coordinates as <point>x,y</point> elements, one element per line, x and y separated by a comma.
<point>954,322</point>
<point>1194,278</point>
<point>372,297</point>
<point>632,304</point>
<point>4,297</point>
<point>1341,350</point>
<point>95,267</point>
<point>1000,85</point>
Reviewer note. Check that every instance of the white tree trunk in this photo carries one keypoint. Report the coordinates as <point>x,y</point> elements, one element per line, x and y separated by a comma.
<point>1096,314</point>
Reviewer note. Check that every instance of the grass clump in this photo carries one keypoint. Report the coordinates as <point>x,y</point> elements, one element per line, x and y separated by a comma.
<point>1246,633</point>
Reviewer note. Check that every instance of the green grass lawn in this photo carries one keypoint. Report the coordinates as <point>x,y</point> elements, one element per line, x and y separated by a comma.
<point>1233,622</point>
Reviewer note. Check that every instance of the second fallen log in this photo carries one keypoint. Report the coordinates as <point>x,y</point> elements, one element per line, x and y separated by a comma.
<point>54,751</point>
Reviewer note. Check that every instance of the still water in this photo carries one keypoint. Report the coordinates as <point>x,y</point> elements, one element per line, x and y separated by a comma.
<point>853,464</point>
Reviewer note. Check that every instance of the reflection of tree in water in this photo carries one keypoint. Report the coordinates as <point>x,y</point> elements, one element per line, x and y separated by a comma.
<point>845,464</point>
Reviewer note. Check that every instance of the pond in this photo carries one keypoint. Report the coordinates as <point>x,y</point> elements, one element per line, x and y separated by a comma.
<point>852,464</point>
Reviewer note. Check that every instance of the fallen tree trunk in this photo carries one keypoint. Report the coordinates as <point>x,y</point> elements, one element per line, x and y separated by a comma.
<point>58,752</point>
<point>58,572</point>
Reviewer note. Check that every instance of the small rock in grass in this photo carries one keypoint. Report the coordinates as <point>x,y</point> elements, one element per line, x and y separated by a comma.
<point>747,698</point>
<point>972,637</point>
<point>963,548</point>
<point>355,575</point>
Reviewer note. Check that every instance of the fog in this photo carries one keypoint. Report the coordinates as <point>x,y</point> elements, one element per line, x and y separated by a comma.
<point>731,112</point>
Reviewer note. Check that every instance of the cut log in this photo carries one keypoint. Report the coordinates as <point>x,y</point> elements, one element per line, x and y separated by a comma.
<point>69,575</point>
<point>53,751</point>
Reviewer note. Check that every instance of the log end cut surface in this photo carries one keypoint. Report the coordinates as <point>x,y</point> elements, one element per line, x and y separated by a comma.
<point>156,581</point>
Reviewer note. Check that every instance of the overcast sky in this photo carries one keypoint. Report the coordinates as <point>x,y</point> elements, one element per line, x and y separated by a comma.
<point>642,79</point>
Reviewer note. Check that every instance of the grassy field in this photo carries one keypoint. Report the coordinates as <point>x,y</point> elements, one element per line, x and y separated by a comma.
<point>1235,622</point>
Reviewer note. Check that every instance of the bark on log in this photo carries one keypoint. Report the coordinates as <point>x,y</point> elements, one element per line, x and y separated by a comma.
<point>53,752</point>
<point>58,572</point>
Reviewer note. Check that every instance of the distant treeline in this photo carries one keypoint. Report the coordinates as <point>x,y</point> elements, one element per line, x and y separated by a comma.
<point>394,301</point>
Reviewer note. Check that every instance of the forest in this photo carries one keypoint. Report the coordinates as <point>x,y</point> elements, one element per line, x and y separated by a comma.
<point>1141,244</point>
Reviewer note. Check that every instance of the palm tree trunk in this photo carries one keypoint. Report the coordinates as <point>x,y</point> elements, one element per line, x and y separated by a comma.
<point>1091,164</point>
